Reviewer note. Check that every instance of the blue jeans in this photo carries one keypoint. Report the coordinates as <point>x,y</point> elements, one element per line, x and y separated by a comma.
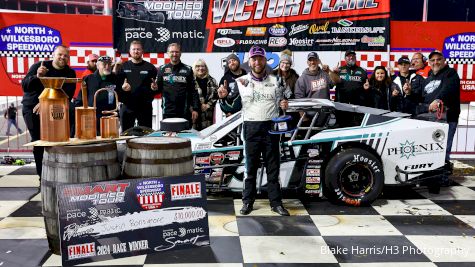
<point>450,139</point>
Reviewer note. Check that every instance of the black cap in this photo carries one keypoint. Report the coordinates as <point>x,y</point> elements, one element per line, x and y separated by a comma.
<point>313,55</point>
<point>435,52</point>
<point>350,52</point>
<point>403,60</point>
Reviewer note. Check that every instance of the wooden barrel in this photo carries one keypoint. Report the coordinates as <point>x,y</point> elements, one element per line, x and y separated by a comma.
<point>73,164</point>
<point>157,157</point>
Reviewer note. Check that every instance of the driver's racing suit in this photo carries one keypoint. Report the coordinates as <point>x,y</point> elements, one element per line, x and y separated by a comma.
<point>260,103</point>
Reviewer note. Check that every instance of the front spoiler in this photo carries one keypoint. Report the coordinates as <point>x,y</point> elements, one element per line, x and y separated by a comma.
<point>425,175</point>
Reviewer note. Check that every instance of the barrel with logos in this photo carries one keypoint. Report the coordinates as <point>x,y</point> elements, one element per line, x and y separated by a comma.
<point>157,157</point>
<point>73,164</point>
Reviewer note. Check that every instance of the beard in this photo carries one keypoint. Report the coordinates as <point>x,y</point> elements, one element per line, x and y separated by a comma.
<point>351,63</point>
<point>92,68</point>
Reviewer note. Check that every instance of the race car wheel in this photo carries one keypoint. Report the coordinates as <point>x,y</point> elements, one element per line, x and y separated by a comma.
<point>354,177</point>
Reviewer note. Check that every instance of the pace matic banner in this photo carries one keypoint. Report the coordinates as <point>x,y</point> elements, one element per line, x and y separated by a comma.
<point>115,219</point>
<point>226,25</point>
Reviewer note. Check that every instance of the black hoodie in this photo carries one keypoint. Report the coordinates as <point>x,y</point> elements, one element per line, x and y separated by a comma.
<point>445,85</point>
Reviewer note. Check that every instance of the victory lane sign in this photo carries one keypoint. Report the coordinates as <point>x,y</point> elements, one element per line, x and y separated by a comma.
<point>116,219</point>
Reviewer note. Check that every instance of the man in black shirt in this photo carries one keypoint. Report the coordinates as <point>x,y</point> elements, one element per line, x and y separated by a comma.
<point>10,115</point>
<point>32,88</point>
<point>137,77</point>
<point>101,78</point>
<point>176,82</point>
<point>349,80</point>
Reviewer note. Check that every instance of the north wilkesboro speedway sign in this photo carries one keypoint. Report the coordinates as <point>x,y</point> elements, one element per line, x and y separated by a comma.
<point>115,219</point>
<point>225,25</point>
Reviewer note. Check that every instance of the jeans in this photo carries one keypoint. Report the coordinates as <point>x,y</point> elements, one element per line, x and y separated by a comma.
<point>450,139</point>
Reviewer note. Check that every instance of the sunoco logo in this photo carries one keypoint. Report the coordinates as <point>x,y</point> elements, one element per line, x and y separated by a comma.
<point>278,30</point>
<point>224,42</point>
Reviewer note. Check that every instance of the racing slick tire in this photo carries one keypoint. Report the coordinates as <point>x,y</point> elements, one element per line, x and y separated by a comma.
<point>354,177</point>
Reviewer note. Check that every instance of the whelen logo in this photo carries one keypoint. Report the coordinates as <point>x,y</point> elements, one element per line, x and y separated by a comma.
<point>224,42</point>
<point>256,31</point>
<point>185,191</point>
<point>81,251</point>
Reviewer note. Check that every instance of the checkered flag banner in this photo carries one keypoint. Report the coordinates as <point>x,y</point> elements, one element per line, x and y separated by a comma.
<point>460,60</point>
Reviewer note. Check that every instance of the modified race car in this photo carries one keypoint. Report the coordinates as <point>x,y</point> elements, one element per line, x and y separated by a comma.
<point>345,152</point>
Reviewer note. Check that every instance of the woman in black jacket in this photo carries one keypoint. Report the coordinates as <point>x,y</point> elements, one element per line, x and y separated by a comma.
<point>377,93</point>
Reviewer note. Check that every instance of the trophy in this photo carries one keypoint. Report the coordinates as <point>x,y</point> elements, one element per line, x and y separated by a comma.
<point>54,109</point>
<point>109,124</point>
<point>85,117</point>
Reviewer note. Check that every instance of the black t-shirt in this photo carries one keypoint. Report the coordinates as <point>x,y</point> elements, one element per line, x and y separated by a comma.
<point>11,113</point>
<point>32,86</point>
<point>350,89</point>
<point>139,76</point>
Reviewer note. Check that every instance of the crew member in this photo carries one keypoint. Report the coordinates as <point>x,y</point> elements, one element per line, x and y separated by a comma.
<point>32,88</point>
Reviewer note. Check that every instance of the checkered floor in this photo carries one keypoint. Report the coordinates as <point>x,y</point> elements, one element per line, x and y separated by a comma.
<point>406,227</point>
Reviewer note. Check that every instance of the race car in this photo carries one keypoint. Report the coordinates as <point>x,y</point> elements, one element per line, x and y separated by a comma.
<point>345,152</point>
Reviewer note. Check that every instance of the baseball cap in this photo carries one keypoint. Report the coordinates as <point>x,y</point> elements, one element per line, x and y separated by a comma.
<point>312,55</point>
<point>257,51</point>
<point>435,52</point>
<point>350,52</point>
<point>105,59</point>
<point>92,57</point>
<point>403,60</point>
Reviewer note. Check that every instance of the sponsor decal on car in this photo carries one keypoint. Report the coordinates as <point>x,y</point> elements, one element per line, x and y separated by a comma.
<point>217,158</point>
<point>312,180</point>
<point>409,149</point>
<point>312,191</point>
<point>313,172</point>
<point>233,155</point>
<point>312,186</point>
<point>202,160</point>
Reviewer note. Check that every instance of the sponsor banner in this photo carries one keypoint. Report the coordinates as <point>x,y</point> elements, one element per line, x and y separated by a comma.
<point>460,46</point>
<point>222,25</point>
<point>116,219</point>
<point>157,23</point>
<point>322,25</point>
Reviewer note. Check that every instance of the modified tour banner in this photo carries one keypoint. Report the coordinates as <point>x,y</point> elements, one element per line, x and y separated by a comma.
<point>227,25</point>
<point>115,219</point>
